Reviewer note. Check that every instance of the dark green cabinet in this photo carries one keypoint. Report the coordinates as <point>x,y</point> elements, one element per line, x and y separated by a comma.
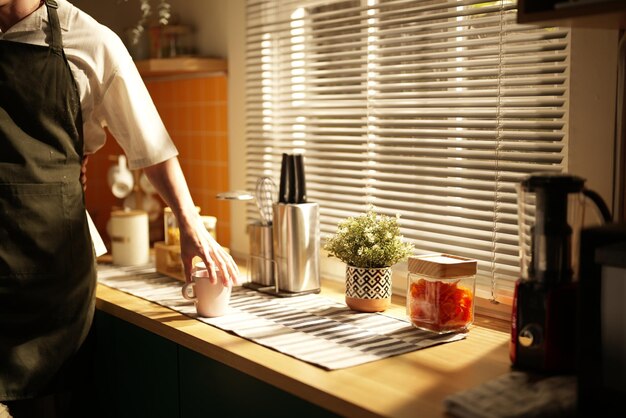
<point>139,374</point>
<point>208,386</point>
<point>136,371</point>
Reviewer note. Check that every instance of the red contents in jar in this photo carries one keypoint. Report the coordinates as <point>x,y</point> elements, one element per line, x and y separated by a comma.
<point>440,306</point>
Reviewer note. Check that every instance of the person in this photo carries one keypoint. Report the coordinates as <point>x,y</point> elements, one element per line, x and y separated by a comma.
<point>63,79</point>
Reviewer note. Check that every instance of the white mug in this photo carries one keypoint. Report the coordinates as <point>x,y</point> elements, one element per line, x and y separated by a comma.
<point>211,299</point>
<point>120,178</point>
<point>130,237</point>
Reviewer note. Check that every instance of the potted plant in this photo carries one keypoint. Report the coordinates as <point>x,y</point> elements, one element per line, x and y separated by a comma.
<point>164,14</point>
<point>369,244</point>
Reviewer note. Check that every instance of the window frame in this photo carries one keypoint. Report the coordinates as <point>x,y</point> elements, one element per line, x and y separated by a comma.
<point>585,157</point>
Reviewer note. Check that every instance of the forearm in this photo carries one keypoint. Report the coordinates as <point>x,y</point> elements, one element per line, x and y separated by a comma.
<point>168,179</point>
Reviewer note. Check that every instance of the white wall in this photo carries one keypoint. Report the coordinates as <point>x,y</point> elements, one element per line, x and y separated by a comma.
<point>593,72</point>
<point>237,120</point>
<point>116,14</point>
<point>208,18</point>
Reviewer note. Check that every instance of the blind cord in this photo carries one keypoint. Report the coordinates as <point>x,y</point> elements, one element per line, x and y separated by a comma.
<point>496,199</point>
<point>369,198</point>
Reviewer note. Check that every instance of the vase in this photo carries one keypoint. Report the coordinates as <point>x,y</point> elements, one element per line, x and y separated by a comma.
<point>368,289</point>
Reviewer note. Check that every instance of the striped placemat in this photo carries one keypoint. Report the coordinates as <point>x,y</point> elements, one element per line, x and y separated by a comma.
<point>311,328</point>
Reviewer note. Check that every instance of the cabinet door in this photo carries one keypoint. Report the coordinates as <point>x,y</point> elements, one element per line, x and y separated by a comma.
<point>209,388</point>
<point>136,371</point>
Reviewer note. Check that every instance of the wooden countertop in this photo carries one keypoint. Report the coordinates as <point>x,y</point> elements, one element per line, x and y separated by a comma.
<point>409,385</point>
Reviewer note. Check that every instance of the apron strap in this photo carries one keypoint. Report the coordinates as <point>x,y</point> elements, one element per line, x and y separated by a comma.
<point>56,42</point>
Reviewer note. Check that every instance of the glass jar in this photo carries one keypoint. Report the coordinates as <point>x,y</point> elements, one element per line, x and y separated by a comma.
<point>210,223</point>
<point>440,292</point>
<point>170,225</point>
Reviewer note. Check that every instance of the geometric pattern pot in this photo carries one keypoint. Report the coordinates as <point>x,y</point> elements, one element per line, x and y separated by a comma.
<point>368,289</point>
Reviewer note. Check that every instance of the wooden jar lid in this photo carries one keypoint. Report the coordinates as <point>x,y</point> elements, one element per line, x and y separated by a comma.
<point>128,212</point>
<point>443,266</point>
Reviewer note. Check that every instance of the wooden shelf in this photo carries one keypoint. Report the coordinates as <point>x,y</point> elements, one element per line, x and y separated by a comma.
<point>607,14</point>
<point>185,65</point>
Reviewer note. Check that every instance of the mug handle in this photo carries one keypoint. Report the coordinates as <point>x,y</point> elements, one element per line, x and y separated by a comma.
<point>185,290</point>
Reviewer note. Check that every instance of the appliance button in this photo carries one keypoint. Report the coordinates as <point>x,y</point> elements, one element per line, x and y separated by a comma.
<point>530,336</point>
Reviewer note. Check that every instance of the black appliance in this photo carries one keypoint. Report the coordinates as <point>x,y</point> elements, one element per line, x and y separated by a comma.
<point>543,323</point>
<point>601,355</point>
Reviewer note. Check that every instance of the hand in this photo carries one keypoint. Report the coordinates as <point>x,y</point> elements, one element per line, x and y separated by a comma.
<point>196,241</point>
<point>83,172</point>
<point>167,177</point>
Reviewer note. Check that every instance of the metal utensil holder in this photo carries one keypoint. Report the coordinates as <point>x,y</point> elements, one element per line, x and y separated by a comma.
<point>296,239</point>
<point>261,265</point>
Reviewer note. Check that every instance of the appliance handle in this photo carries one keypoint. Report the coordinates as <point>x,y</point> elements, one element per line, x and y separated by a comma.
<point>600,204</point>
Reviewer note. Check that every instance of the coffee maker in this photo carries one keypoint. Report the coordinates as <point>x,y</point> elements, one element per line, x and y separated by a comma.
<point>543,329</point>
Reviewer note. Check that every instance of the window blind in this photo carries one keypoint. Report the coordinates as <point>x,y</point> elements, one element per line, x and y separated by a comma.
<point>430,109</point>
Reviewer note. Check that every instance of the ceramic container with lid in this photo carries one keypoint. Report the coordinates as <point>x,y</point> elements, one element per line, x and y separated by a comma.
<point>130,237</point>
<point>440,292</point>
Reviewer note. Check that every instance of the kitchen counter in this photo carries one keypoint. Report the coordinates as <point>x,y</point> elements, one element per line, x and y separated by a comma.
<point>408,385</point>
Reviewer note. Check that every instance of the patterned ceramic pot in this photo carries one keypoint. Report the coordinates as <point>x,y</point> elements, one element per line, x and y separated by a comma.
<point>368,289</point>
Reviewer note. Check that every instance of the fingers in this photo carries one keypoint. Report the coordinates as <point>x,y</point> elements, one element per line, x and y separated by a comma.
<point>187,267</point>
<point>219,264</point>
<point>230,269</point>
<point>222,261</point>
<point>219,259</point>
<point>233,270</point>
<point>196,241</point>
<point>212,272</point>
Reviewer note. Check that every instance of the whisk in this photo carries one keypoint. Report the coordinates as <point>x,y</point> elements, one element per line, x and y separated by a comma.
<point>265,190</point>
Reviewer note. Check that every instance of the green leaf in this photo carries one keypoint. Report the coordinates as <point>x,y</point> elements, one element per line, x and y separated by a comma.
<point>369,240</point>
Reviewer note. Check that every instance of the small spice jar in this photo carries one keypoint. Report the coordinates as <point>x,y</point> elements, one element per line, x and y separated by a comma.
<point>170,225</point>
<point>440,292</point>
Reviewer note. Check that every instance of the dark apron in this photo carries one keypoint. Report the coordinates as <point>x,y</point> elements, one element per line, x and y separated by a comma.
<point>47,267</point>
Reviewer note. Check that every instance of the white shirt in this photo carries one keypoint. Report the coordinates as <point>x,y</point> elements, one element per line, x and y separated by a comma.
<point>112,93</point>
